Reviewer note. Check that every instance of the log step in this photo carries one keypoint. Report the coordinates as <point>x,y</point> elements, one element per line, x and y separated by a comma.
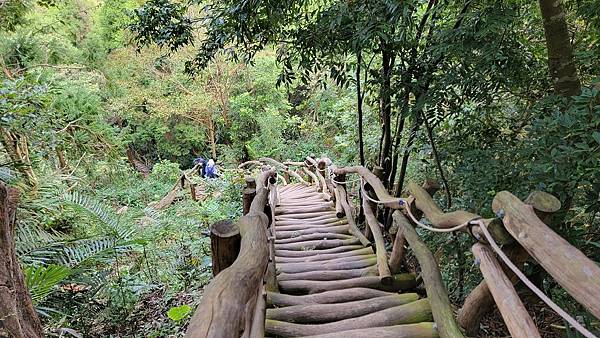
<point>329,282</point>
<point>399,282</point>
<point>325,313</point>
<point>414,312</point>
<point>327,297</point>
<point>418,330</point>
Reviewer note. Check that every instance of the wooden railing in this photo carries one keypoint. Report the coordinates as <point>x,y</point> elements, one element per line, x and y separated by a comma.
<point>519,227</point>
<point>232,301</point>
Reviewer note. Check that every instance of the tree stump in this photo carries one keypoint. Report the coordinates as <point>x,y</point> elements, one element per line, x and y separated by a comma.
<point>225,242</point>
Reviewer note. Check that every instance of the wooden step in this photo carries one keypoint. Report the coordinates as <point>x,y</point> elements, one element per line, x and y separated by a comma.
<point>325,313</point>
<point>334,257</point>
<point>296,253</point>
<point>414,312</point>
<point>328,275</point>
<point>400,282</point>
<point>417,330</point>
<point>327,297</point>
<point>316,245</point>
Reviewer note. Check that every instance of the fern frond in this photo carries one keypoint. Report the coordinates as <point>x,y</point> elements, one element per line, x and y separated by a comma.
<point>97,209</point>
<point>7,175</point>
<point>84,250</point>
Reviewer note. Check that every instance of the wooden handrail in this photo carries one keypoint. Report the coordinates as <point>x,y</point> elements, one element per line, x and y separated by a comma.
<point>380,190</point>
<point>249,164</point>
<point>382,261</point>
<point>436,291</point>
<point>272,162</point>
<point>480,301</point>
<point>295,164</point>
<point>517,320</point>
<point>579,275</point>
<point>343,199</point>
<point>229,302</point>
<point>423,201</point>
<point>313,177</point>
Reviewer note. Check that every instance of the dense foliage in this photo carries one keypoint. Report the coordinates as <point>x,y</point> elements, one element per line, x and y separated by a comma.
<point>104,102</point>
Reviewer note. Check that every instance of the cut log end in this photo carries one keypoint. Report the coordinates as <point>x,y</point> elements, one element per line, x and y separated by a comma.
<point>543,201</point>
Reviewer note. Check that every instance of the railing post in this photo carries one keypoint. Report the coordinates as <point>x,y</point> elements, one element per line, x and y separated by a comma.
<point>248,194</point>
<point>225,243</point>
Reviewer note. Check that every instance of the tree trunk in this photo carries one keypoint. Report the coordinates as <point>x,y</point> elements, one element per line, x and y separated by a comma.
<point>17,315</point>
<point>411,138</point>
<point>561,65</point>
<point>386,107</point>
<point>17,148</point>
<point>359,101</point>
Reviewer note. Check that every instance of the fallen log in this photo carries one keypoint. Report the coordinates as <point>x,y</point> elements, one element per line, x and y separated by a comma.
<point>400,282</point>
<point>515,316</point>
<point>434,285</point>
<point>418,330</point>
<point>327,297</point>
<point>415,312</point>
<point>325,313</point>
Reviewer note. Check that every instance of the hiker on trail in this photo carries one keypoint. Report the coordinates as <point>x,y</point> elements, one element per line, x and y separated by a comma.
<point>211,169</point>
<point>201,163</point>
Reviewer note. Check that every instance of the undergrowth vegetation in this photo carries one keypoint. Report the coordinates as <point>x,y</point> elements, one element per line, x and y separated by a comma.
<point>104,103</point>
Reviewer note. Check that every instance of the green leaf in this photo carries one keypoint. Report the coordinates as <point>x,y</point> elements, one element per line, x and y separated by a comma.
<point>179,312</point>
<point>596,136</point>
<point>42,280</point>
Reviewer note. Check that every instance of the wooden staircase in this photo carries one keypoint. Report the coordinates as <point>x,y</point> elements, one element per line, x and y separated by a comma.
<point>328,281</point>
<point>308,271</point>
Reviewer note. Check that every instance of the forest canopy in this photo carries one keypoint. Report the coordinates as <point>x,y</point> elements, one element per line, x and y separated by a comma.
<point>106,103</point>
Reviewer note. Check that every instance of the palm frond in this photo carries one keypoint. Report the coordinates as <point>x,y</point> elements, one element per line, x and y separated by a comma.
<point>35,246</point>
<point>42,280</point>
